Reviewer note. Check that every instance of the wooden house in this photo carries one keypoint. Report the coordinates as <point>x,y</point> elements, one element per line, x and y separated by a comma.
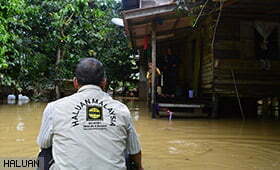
<point>244,59</point>
<point>228,48</point>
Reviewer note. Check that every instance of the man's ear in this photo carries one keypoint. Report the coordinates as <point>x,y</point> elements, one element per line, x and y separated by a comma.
<point>75,83</point>
<point>103,84</point>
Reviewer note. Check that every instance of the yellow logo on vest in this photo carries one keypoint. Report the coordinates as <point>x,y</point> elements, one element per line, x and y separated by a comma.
<point>94,113</point>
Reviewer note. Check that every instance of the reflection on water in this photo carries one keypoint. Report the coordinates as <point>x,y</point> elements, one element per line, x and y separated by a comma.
<point>19,102</point>
<point>19,126</point>
<point>178,144</point>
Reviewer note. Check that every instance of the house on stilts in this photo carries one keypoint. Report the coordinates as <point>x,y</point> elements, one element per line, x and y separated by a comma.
<point>220,48</point>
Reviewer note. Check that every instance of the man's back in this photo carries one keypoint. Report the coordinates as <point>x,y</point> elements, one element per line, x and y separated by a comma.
<point>90,131</point>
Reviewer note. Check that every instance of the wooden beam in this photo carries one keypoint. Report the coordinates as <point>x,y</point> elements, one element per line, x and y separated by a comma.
<point>219,0</point>
<point>230,2</point>
<point>276,11</point>
<point>153,61</point>
<point>255,11</point>
<point>278,40</point>
<point>145,12</point>
<point>175,105</point>
<point>250,17</point>
<point>154,48</point>
<point>164,32</point>
<point>164,18</point>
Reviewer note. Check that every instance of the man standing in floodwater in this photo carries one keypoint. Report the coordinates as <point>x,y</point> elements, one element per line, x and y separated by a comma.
<point>89,130</point>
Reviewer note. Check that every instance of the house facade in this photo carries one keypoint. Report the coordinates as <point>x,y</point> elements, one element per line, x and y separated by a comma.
<point>225,48</point>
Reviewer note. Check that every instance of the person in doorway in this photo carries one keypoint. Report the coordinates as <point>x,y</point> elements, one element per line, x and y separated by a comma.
<point>89,130</point>
<point>170,73</point>
<point>149,73</point>
<point>149,78</point>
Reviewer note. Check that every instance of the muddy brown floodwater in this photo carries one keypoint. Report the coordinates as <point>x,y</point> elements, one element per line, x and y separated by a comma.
<point>194,144</point>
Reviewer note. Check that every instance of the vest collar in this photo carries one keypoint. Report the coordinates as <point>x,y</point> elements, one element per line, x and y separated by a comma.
<point>89,87</point>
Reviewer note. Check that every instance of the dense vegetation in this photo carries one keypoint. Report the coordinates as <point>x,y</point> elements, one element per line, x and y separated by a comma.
<point>42,40</point>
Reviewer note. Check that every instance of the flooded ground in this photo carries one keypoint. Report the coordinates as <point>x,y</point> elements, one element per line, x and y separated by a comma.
<point>195,144</point>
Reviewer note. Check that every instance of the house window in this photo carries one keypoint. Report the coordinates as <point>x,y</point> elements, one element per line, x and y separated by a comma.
<point>268,49</point>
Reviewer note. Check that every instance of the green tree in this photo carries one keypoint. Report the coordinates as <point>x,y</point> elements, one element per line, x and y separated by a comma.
<point>47,38</point>
<point>10,20</point>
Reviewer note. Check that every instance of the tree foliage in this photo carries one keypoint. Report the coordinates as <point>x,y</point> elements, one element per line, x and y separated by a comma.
<point>42,40</point>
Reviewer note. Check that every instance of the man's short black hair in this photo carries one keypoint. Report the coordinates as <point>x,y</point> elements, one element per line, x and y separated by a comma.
<point>90,71</point>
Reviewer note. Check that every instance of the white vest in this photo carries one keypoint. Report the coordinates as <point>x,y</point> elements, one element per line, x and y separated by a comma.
<point>91,132</point>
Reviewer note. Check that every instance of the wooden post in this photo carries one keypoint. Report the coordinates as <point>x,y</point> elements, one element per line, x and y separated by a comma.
<point>279,39</point>
<point>143,91</point>
<point>154,48</point>
<point>215,101</point>
<point>197,59</point>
